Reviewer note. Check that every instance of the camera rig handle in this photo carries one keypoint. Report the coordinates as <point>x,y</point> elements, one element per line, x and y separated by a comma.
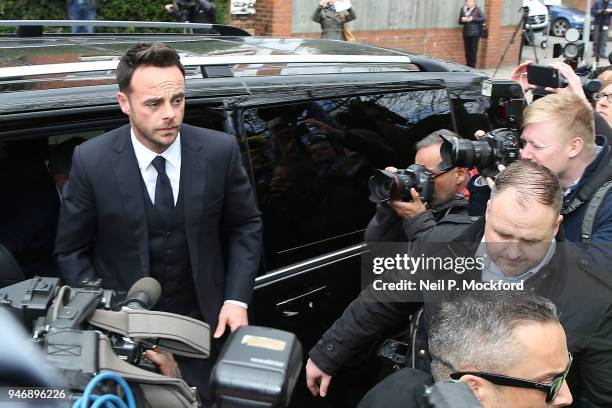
<point>159,390</point>
<point>177,334</point>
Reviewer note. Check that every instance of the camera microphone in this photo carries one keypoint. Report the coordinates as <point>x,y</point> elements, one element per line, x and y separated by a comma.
<point>143,294</point>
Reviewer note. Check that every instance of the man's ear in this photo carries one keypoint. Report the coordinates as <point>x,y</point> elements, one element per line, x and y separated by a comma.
<point>483,391</point>
<point>558,223</point>
<point>576,147</point>
<point>124,102</point>
<point>461,175</point>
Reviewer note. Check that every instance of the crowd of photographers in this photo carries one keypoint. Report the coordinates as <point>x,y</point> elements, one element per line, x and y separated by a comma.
<point>539,213</point>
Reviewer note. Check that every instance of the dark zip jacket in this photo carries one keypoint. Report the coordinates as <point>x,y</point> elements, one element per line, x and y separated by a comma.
<point>580,289</point>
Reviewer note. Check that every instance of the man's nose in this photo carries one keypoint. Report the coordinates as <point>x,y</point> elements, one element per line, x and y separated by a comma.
<point>169,111</point>
<point>512,250</point>
<point>526,153</point>
<point>564,397</point>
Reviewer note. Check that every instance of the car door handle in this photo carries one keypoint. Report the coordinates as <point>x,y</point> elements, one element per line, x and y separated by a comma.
<point>300,304</point>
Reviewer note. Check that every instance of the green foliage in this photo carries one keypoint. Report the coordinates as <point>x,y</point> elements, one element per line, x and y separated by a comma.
<point>118,10</point>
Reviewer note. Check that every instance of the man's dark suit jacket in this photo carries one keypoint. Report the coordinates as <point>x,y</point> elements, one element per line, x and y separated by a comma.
<point>103,227</point>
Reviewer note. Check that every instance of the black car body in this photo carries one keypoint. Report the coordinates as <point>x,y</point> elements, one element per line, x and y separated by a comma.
<point>315,209</point>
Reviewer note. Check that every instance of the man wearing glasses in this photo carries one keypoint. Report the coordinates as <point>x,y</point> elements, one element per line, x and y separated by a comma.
<point>507,347</point>
<point>399,221</point>
<point>516,244</point>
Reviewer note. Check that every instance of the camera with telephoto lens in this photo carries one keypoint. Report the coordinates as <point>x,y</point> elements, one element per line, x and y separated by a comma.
<point>385,185</point>
<point>499,146</point>
<point>184,8</point>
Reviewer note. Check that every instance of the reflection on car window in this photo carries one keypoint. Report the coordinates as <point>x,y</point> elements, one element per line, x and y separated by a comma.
<point>312,162</point>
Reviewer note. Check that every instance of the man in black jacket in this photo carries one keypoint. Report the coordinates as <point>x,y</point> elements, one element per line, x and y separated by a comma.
<point>399,221</point>
<point>163,199</point>
<point>516,245</point>
<point>512,334</point>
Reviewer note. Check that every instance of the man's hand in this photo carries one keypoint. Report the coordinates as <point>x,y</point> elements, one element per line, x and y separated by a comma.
<point>165,362</point>
<point>316,380</point>
<point>169,8</point>
<point>233,316</point>
<point>408,210</point>
<point>520,75</point>
<point>574,85</point>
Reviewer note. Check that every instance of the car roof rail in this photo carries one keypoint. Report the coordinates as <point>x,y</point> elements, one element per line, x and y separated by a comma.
<point>35,27</point>
<point>92,66</point>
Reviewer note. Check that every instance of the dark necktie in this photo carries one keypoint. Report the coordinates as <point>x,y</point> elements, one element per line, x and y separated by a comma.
<point>164,201</point>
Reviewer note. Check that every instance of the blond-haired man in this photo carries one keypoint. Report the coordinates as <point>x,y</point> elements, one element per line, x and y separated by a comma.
<point>559,133</point>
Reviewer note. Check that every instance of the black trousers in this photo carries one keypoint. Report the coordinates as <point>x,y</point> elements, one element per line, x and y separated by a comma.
<point>471,50</point>
<point>196,372</point>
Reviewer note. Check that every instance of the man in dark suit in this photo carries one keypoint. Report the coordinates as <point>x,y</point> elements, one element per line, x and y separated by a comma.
<point>162,199</point>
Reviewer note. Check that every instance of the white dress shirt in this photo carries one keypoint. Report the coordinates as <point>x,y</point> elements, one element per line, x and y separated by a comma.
<point>145,156</point>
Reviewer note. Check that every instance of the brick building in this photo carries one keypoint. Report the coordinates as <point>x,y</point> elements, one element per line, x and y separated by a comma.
<point>421,26</point>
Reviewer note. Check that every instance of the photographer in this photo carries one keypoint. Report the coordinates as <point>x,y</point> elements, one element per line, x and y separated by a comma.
<point>516,243</point>
<point>398,220</point>
<point>488,332</point>
<point>600,11</point>
<point>194,11</point>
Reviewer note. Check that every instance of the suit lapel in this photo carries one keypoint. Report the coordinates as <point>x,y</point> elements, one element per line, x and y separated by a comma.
<point>129,181</point>
<point>193,174</point>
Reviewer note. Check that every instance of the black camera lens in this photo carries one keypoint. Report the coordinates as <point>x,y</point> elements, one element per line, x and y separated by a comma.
<point>457,152</point>
<point>385,186</point>
<point>500,146</point>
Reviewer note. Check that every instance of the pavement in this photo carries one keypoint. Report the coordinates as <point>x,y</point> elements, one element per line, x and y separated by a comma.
<point>544,57</point>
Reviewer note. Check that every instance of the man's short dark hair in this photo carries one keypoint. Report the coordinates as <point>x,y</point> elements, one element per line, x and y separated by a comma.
<point>531,180</point>
<point>153,54</point>
<point>435,138</point>
<point>476,329</point>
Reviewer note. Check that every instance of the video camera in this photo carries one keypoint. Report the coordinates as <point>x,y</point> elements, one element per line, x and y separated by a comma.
<point>88,330</point>
<point>84,331</point>
<point>499,146</point>
<point>385,185</point>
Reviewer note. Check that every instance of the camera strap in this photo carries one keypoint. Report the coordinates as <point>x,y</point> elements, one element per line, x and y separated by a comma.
<point>594,190</point>
<point>176,334</point>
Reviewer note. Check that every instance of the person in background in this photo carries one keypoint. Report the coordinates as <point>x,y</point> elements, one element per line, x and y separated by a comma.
<point>195,11</point>
<point>82,10</point>
<point>600,11</point>
<point>332,21</point>
<point>471,18</point>
<point>603,101</point>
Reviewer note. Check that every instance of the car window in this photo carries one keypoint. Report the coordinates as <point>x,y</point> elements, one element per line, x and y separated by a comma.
<point>311,164</point>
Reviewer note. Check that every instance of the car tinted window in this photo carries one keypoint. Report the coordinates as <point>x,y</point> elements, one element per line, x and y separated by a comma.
<point>312,161</point>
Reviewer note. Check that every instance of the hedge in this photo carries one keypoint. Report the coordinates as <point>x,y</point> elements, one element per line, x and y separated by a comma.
<point>131,10</point>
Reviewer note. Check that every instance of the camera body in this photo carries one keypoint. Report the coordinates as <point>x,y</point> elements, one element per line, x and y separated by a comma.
<point>69,323</point>
<point>385,185</point>
<point>499,146</point>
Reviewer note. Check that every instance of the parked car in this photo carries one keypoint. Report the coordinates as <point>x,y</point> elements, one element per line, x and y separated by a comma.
<point>562,18</point>
<point>372,105</point>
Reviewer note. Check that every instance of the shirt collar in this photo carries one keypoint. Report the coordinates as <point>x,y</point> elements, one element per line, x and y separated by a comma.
<point>492,272</point>
<point>587,171</point>
<point>145,156</point>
